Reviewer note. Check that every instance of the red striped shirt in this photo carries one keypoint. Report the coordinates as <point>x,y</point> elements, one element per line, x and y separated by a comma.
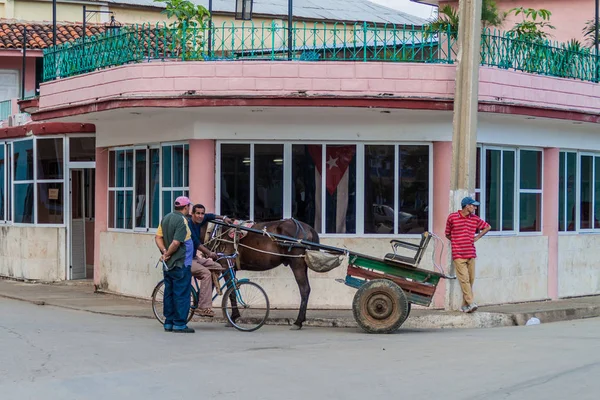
<point>462,232</point>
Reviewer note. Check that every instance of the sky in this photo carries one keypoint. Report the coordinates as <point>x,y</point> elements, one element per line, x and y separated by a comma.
<point>420,10</point>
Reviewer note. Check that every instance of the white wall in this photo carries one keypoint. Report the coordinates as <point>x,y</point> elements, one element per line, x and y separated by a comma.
<point>578,265</point>
<point>508,269</point>
<point>36,253</point>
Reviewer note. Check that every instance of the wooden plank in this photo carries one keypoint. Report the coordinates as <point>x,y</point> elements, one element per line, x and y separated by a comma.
<point>408,286</point>
<point>417,274</point>
<point>412,297</point>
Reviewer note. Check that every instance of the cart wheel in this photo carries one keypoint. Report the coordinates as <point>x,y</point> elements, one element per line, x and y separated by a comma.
<point>380,306</point>
<point>407,312</point>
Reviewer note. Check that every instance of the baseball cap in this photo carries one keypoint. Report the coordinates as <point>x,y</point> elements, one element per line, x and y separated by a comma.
<point>468,200</point>
<point>182,201</point>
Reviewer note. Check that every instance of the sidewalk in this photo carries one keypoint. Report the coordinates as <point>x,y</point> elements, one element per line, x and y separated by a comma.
<point>81,296</point>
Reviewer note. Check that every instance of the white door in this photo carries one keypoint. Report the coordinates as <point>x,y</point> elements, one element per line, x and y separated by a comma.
<point>77,264</point>
<point>9,84</point>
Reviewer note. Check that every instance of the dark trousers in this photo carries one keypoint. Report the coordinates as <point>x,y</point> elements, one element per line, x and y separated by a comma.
<point>176,306</point>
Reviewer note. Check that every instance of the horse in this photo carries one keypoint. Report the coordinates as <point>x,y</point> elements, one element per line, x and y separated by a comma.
<point>259,252</point>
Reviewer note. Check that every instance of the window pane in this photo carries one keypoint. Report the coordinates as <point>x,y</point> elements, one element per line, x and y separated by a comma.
<point>340,187</point>
<point>82,149</point>
<point>129,209</point>
<point>492,188</point>
<point>166,166</point>
<point>587,187</point>
<point>120,170</point>
<point>50,158</point>
<point>508,191</point>
<point>596,192</point>
<point>23,160</point>
<point>478,170</point>
<point>154,188</point>
<point>50,203</point>
<point>531,169</point>
<point>140,188</point>
<point>571,189</point>
<point>112,164</point>
<point>129,168</point>
<point>306,184</point>
<point>379,189</point>
<point>2,185</point>
<point>23,203</point>
<point>111,209</point>
<point>186,165</point>
<point>167,202</point>
<point>120,209</point>
<point>413,194</point>
<point>562,193</point>
<point>268,182</point>
<point>177,166</point>
<point>235,180</point>
<point>530,217</point>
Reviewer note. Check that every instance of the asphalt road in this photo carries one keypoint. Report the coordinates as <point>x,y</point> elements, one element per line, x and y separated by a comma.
<point>52,353</point>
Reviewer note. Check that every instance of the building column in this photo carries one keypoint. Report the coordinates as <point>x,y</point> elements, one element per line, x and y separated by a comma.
<point>202,172</point>
<point>442,158</point>
<point>101,208</point>
<point>550,217</point>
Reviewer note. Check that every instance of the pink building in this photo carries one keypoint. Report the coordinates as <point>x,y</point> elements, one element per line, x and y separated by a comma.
<point>569,17</point>
<point>249,133</point>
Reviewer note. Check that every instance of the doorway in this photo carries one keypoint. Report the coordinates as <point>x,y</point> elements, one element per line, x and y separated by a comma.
<point>81,223</point>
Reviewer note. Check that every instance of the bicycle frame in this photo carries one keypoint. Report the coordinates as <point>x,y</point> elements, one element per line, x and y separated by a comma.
<point>228,277</point>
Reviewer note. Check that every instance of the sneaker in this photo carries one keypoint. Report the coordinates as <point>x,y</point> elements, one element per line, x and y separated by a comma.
<point>472,307</point>
<point>464,309</point>
<point>184,330</point>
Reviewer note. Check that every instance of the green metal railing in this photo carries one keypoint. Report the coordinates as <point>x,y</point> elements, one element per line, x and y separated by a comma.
<point>316,42</point>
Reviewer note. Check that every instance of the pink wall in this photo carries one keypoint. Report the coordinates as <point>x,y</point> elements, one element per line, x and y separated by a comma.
<point>342,79</point>
<point>202,173</point>
<point>101,211</point>
<point>569,17</point>
<point>550,219</point>
<point>14,62</point>
<point>442,160</point>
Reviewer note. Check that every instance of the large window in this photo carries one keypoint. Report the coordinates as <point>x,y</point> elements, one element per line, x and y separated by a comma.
<point>579,192</point>
<point>3,161</point>
<point>336,188</point>
<point>134,190</point>
<point>509,187</point>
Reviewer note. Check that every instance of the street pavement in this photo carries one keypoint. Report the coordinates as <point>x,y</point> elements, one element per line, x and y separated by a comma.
<point>55,353</point>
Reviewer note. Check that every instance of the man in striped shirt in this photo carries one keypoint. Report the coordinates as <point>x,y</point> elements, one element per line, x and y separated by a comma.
<point>461,228</point>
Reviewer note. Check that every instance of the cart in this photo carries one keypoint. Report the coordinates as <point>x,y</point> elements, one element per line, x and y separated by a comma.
<point>386,286</point>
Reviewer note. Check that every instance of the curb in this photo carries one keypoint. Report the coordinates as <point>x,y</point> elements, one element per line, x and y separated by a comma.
<point>450,320</point>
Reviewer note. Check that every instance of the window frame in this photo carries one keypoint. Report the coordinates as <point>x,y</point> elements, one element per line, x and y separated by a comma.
<point>575,231</point>
<point>6,189</point>
<point>517,192</point>
<point>360,181</point>
<point>64,180</point>
<point>147,147</point>
<point>595,156</point>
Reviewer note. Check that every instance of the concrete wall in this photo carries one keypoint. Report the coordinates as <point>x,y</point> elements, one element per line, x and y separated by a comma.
<point>578,272</point>
<point>128,263</point>
<point>36,253</point>
<point>508,269</point>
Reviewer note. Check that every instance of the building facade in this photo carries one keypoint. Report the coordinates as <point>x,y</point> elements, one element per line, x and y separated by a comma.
<point>357,142</point>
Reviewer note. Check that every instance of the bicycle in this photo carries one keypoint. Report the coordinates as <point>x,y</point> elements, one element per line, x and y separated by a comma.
<point>245,304</point>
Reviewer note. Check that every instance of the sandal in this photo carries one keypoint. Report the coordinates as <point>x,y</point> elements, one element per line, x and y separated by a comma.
<point>205,312</point>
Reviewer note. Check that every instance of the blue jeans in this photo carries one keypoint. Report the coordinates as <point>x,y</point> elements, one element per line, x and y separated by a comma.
<point>176,306</point>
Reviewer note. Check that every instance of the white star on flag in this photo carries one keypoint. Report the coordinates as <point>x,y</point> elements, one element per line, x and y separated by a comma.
<point>332,162</point>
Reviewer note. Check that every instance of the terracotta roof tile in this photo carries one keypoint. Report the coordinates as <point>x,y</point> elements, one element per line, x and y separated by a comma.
<point>39,34</point>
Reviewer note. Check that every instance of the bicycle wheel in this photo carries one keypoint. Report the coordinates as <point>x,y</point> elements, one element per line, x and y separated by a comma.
<point>157,302</point>
<point>246,306</point>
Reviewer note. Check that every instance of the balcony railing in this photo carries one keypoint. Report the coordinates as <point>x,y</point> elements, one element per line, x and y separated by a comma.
<point>318,42</point>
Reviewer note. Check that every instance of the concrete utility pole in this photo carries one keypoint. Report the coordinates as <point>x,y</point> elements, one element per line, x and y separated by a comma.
<point>464,138</point>
<point>466,101</point>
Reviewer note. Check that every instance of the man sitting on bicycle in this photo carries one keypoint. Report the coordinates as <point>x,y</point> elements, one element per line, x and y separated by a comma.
<point>201,266</point>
